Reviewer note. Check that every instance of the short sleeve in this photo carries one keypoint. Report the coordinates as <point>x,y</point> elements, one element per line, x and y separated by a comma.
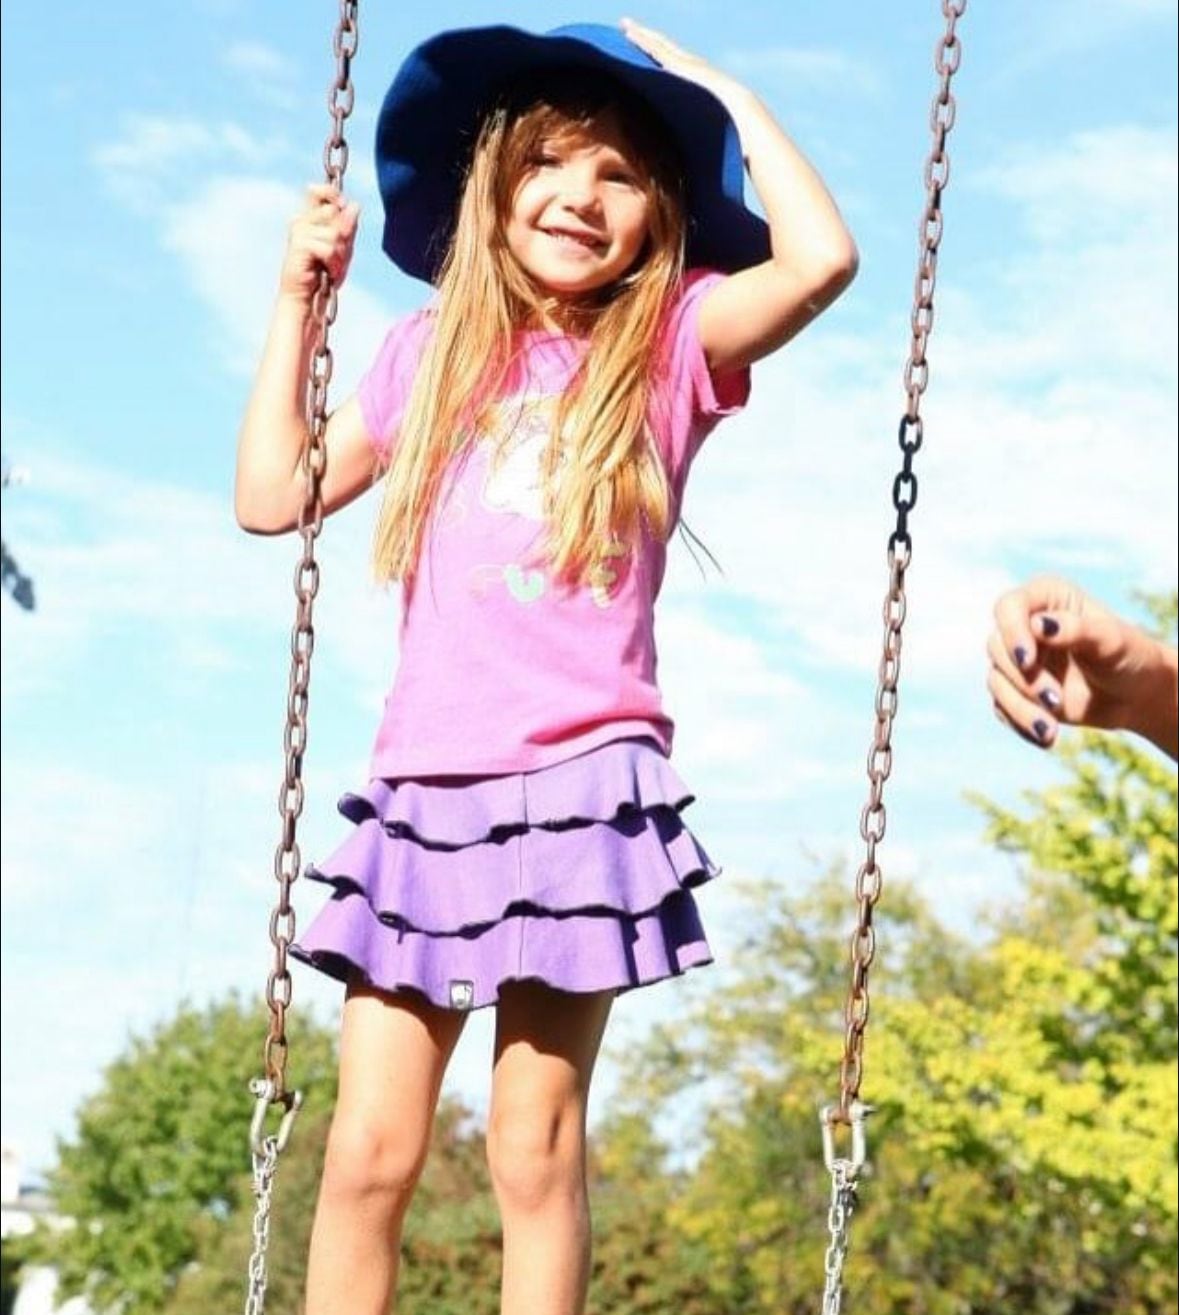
<point>384,390</point>
<point>689,399</point>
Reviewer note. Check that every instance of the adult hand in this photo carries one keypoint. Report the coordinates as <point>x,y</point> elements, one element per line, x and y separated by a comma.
<point>1059,657</point>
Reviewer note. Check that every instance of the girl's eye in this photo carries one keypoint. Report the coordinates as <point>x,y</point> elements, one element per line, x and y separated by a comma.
<point>623,176</point>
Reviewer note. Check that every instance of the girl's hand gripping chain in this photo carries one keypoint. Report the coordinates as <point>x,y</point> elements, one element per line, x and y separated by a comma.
<point>320,237</point>
<point>270,485</point>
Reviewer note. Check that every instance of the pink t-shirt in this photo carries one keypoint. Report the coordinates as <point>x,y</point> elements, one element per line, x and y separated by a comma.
<point>503,668</point>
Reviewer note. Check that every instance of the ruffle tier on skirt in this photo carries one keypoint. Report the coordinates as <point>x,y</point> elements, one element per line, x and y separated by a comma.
<point>578,875</point>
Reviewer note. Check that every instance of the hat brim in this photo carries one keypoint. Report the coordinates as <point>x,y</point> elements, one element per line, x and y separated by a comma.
<point>432,111</point>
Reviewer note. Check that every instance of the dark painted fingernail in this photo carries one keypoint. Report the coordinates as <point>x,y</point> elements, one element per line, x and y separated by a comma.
<point>1049,626</point>
<point>1021,655</point>
<point>1040,726</point>
<point>1050,699</point>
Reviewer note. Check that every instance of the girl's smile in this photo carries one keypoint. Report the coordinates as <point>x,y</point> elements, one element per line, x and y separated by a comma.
<point>580,214</point>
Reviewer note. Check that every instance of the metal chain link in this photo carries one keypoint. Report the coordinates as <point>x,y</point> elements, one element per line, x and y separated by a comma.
<point>839,1213</point>
<point>904,497</point>
<point>287,858</point>
<point>849,1111</point>
<point>265,1163</point>
<point>272,1089</point>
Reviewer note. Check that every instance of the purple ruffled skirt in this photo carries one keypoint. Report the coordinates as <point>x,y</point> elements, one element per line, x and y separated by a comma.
<point>578,875</point>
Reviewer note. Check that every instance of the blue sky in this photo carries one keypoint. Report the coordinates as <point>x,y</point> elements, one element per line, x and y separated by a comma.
<point>149,170</point>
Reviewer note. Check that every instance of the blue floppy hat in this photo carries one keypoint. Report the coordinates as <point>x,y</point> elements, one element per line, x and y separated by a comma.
<point>432,112</point>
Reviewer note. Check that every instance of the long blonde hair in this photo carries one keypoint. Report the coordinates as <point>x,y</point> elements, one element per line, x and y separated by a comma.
<point>604,482</point>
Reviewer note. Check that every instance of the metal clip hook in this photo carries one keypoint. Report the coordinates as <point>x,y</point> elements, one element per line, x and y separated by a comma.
<point>291,1101</point>
<point>857,1114</point>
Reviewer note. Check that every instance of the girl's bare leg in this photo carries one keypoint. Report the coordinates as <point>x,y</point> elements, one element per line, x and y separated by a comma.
<point>545,1048</point>
<point>393,1054</point>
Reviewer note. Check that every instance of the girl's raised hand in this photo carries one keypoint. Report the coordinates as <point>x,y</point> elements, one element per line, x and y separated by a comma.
<point>321,237</point>
<point>681,62</point>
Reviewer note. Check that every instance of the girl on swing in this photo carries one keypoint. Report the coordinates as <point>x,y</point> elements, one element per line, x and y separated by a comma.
<point>601,291</point>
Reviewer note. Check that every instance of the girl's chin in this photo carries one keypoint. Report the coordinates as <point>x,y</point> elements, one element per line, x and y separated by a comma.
<point>566,288</point>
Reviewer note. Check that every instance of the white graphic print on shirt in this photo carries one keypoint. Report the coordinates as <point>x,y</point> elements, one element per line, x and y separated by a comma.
<point>516,438</point>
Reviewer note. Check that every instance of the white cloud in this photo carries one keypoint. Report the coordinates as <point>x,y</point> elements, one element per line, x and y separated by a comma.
<point>1054,31</point>
<point>1092,184</point>
<point>229,235</point>
<point>1049,425</point>
<point>258,58</point>
<point>108,550</point>
<point>269,74</point>
<point>792,65</point>
<point>156,154</point>
<point>226,222</point>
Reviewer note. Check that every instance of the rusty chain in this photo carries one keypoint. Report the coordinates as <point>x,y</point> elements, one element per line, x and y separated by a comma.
<point>271,1089</point>
<point>850,1111</point>
<point>904,497</point>
<point>287,859</point>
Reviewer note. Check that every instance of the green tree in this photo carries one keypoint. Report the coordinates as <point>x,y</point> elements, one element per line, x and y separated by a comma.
<point>157,1161</point>
<point>641,1264</point>
<point>1023,1153</point>
<point>1023,1150</point>
<point>451,1250</point>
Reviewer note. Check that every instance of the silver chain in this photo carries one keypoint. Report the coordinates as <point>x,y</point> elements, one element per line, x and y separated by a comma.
<point>265,1163</point>
<point>843,1202</point>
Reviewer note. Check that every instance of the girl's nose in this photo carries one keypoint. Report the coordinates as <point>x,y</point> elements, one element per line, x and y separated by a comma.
<point>578,188</point>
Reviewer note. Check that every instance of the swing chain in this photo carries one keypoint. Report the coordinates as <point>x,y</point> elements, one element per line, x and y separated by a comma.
<point>839,1213</point>
<point>845,1173</point>
<point>287,857</point>
<point>910,435</point>
<point>265,1163</point>
<point>850,1112</point>
<point>271,1089</point>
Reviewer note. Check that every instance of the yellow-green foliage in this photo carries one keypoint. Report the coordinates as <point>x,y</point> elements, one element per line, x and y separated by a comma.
<point>1023,1156</point>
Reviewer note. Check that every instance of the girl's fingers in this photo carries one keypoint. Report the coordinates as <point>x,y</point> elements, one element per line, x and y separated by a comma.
<point>660,48</point>
<point>322,245</point>
<point>648,36</point>
<point>320,237</point>
<point>324,194</point>
<point>326,216</point>
<point>325,206</point>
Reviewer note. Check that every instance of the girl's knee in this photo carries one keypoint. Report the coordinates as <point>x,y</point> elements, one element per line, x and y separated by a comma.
<point>370,1158</point>
<point>534,1157</point>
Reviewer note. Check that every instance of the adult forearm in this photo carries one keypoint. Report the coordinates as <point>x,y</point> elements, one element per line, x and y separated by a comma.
<point>268,489</point>
<point>1154,712</point>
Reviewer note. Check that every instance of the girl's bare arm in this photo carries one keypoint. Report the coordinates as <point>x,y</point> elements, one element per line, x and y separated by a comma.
<point>270,484</point>
<point>814,258</point>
